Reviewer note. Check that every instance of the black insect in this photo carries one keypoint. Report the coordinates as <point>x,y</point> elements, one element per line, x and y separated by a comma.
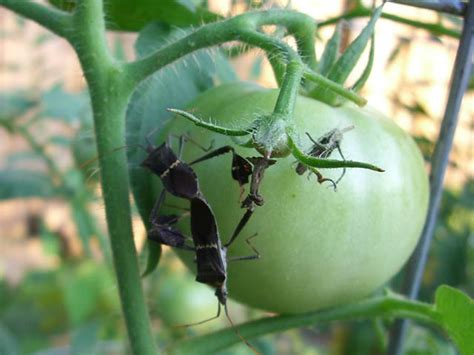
<point>322,148</point>
<point>180,180</point>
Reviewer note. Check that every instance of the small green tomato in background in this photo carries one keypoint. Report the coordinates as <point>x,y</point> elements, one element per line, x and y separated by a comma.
<point>319,247</point>
<point>181,300</point>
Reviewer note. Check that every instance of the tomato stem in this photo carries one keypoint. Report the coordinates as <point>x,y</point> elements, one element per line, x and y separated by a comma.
<point>387,307</point>
<point>286,101</point>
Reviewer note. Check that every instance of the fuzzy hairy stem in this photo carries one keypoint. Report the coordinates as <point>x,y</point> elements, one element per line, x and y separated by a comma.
<point>110,92</point>
<point>229,30</point>
<point>389,306</point>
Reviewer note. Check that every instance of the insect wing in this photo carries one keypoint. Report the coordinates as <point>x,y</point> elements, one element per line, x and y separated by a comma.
<point>178,178</point>
<point>211,268</point>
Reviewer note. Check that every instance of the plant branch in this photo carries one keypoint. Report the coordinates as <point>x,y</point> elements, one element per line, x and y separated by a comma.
<point>434,28</point>
<point>228,30</point>
<point>110,92</point>
<point>389,306</point>
<point>55,20</point>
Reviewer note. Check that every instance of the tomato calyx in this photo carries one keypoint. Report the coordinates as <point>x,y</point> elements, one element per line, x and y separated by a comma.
<point>274,136</point>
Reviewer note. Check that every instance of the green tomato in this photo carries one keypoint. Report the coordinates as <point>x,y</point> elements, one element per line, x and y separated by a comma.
<point>319,247</point>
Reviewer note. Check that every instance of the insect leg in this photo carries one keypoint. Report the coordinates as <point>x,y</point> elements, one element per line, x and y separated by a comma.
<point>243,221</point>
<point>188,138</point>
<point>162,230</point>
<point>214,153</point>
<point>203,321</point>
<point>249,257</point>
<point>156,208</point>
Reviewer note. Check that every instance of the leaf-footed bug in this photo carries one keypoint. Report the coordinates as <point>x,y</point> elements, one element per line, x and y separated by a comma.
<point>180,180</point>
<point>322,148</point>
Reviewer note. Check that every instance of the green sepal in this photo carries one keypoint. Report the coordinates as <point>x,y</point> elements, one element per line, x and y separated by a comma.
<point>211,126</point>
<point>326,163</point>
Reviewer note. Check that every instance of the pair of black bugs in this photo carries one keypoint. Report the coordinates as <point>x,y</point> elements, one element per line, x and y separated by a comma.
<point>180,180</point>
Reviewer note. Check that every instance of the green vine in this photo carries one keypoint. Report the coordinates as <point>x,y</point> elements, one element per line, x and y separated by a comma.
<point>388,307</point>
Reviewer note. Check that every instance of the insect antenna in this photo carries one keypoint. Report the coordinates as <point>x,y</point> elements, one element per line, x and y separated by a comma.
<point>236,331</point>
<point>92,160</point>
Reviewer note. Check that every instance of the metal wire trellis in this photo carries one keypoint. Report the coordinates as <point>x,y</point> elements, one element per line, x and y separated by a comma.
<point>439,161</point>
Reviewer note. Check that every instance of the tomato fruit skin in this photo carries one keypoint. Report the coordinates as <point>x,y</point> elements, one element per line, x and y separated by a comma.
<point>319,247</point>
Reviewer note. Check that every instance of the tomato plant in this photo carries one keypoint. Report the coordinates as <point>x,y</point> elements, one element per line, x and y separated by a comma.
<point>319,247</point>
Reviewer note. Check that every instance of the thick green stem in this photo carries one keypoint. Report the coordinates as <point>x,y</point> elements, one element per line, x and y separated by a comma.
<point>286,101</point>
<point>384,307</point>
<point>110,92</point>
<point>236,28</point>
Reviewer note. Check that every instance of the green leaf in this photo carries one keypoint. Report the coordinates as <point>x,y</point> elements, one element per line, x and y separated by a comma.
<point>152,258</point>
<point>456,310</point>
<point>359,84</point>
<point>340,71</point>
<point>25,183</point>
<point>62,105</point>
<point>423,341</point>
<point>124,15</point>
<point>331,51</point>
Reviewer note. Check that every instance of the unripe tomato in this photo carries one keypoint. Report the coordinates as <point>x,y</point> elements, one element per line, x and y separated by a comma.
<point>319,247</point>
